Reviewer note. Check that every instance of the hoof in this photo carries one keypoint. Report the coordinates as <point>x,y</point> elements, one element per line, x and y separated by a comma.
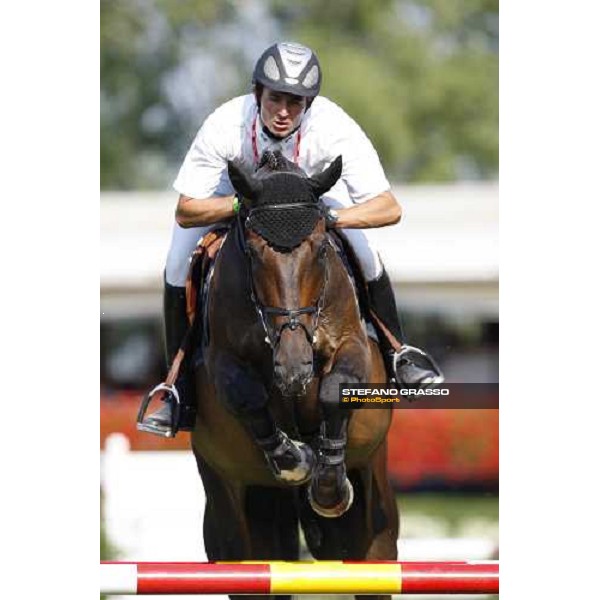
<point>339,509</point>
<point>301,472</point>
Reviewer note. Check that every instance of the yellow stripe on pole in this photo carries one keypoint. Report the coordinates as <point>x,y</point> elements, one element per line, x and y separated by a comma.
<point>334,577</point>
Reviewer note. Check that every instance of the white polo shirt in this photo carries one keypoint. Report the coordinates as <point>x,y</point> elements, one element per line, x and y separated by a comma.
<point>326,132</point>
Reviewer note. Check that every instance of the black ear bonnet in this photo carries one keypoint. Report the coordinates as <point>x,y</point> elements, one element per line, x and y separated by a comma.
<point>284,206</point>
<point>286,212</point>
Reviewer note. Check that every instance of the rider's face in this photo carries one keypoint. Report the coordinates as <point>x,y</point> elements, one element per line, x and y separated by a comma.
<point>281,112</point>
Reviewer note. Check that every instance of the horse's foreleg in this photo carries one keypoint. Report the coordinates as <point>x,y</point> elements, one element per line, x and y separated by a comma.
<point>349,367</point>
<point>244,394</point>
<point>241,390</point>
<point>331,493</point>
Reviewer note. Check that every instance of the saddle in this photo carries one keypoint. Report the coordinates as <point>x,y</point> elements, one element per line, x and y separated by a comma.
<point>199,276</point>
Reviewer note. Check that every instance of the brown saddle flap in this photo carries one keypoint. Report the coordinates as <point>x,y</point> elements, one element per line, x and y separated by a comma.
<point>201,259</point>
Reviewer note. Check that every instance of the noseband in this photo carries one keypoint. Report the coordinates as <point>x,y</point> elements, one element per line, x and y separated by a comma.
<point>292,322</point>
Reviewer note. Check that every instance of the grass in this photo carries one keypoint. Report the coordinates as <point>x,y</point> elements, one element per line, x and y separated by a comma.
<point>449,514</point>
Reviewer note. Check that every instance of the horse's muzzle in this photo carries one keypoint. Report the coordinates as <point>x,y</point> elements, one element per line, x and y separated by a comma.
<point>293,380</point>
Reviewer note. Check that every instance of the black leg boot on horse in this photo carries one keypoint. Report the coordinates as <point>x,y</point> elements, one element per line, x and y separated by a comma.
<point>408,365</point>
<point>178,409</point>
<point>331,493</point>
<point>291,462</point>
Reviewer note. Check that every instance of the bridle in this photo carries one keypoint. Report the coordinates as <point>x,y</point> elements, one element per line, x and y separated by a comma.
<point>292,322</point>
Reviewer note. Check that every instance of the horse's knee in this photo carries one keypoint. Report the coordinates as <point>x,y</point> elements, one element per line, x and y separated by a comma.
<point>329,393</point>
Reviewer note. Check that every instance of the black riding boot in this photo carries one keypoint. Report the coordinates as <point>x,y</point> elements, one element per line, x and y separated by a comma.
<point>409,366</point>
<point>176,324</point>
<point>331,494</point>
<point>291,462</point>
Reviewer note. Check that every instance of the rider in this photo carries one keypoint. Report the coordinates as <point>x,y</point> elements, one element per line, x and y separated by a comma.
<point>285,113</point>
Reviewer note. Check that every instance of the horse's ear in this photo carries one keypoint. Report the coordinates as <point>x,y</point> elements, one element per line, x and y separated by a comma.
<point>324,181</point>
<point>243,182</point>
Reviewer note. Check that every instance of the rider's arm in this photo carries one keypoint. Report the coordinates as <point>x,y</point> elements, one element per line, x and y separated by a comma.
<point>205,192</point>
<point>194,212</point>
<point>378,211</point>
<point>362,175</point>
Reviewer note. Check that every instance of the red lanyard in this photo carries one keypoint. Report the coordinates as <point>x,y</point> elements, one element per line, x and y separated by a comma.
<point>255,145</point>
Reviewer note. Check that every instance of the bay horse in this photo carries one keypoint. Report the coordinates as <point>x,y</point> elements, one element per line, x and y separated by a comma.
<point>284,330</point>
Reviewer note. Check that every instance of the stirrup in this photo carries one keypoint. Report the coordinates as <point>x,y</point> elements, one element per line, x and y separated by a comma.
<point>422,360</point>
<point>169,394</point>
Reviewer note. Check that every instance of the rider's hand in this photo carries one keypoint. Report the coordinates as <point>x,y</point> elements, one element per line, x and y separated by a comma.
<point>331,218</point>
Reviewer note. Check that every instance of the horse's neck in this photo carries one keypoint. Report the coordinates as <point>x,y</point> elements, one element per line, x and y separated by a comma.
<point>227,288</point>
<point>340,292</point>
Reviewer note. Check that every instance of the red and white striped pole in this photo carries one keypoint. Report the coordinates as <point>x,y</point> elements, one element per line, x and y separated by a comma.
<point>322,577</point>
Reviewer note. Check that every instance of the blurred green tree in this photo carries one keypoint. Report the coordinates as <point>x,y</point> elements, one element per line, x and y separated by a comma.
<point>420,77</point>
<point>155,72</point>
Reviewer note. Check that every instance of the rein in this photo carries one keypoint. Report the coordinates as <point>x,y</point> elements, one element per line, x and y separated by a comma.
<point>273,335</point>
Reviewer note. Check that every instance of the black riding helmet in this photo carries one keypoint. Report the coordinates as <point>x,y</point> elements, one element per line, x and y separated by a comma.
<point>289,67</point>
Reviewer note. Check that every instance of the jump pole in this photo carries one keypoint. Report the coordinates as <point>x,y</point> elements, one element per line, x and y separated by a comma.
<point>322,577</point>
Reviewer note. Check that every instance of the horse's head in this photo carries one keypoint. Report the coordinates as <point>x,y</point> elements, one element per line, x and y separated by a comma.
<point>286,243</point>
